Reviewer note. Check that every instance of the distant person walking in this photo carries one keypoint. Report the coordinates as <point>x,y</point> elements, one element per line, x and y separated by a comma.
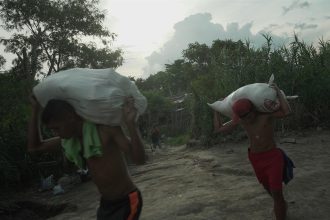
<point>155,138</point>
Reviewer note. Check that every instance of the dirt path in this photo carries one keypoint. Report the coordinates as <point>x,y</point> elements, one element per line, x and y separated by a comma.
<point>218,183</point>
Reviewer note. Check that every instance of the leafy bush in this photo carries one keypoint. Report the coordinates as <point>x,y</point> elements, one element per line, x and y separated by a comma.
<point>13,126</point>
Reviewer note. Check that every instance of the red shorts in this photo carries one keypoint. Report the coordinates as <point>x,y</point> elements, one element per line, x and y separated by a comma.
<point>268,167</point>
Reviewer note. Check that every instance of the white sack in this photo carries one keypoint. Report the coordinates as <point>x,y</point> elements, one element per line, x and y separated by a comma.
<point>261,95</point>
<point>97,95</point>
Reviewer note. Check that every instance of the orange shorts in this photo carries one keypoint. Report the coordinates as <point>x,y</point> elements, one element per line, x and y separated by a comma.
<point>127,208</point>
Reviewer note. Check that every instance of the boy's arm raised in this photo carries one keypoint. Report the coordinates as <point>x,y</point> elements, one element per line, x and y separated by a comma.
<point>137,146</point>
<point>35,143</point>
<point>285,108</point>
<point>134,147</point>
<point>219,127</point>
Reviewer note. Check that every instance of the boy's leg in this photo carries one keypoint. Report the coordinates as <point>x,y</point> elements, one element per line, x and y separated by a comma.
<point>270,177</point>
<point>152,146</point>
<point>279,204</point>
<point>267,189</point>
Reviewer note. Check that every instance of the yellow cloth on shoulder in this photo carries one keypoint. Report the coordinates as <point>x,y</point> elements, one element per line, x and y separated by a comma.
<point>91,145</point>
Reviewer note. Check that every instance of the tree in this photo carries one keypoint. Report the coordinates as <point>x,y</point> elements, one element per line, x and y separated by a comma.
<point>52,32</point>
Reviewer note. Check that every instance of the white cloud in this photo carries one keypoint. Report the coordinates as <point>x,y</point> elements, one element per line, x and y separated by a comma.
<point>303,26</point>
<point>295,5</point>
<point>200,28</point>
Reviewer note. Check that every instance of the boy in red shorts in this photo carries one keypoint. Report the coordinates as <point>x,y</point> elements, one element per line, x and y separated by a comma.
<point>267,160</point>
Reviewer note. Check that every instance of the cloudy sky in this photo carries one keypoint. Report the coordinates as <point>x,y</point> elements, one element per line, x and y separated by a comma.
<point>154,32</point>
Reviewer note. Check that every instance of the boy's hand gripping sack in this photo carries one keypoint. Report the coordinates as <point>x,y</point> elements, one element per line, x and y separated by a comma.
<point>263,97</point>
<point>97,95</point>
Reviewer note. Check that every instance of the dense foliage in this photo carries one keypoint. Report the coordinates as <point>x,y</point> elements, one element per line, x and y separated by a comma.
<point>13,128</point>
<point>211,72</point>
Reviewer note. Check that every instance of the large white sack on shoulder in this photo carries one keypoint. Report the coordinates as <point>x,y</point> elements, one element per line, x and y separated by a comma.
<point>263,97</point>
<point>96,94</point>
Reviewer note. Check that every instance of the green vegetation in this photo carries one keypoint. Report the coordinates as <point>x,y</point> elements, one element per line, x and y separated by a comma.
<point>211,72</point>
<point>178,140</point>
<point>13,128</point>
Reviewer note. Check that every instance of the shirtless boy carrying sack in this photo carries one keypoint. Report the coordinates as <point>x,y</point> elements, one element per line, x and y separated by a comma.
<point>267,160</point>
<point>100,147</point>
